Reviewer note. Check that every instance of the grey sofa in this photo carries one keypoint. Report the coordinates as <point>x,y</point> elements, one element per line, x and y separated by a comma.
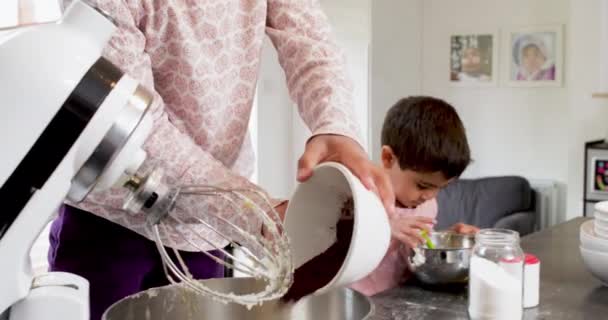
<point>494,202</point>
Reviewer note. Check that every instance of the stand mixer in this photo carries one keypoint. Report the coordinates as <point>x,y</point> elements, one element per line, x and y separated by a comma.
<point>73,123</point>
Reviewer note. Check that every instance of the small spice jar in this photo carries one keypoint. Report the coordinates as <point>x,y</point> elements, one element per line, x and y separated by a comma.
<point>531,281</point>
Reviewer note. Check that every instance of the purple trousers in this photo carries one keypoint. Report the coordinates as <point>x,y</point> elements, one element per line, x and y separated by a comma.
<point>116,261</point>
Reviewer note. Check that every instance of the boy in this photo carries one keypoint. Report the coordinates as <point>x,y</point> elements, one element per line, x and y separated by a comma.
<point>424,147</point>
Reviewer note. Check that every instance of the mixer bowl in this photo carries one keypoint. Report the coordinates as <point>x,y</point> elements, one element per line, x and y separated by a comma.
<point>447,264</point>
<point>177,303</point>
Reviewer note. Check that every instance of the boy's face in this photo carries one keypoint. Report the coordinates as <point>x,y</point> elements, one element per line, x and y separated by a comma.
<point>411,188</point>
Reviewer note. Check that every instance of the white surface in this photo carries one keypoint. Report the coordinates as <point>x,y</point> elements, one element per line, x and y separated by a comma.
<point>603,65</point>
<point>601,219</point>
<point>40,250</point>
<point>16,276</point>
<point>24,12</point>
<point>68,55</point>
<point>314,211</point>
<point>547,198</point>
<point>281,134</point>
<point>531,285</point>
<point>276,166</point>
<point>601,208</point>
<point>597,263</point>
<point>56,295</point>
<point>587,116</point>
<point>69,51</point>
<point>600,231</point>
<point>396,58</point>
<point>9,13</point>
<point>590,240</point>
<point>601,227</point>
<point>253,133</point>
<point>351,22</point>
<point>39,11</point>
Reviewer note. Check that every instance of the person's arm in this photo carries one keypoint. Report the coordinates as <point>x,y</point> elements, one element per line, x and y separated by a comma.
<point>314,66</point>
<point>316,76</point>
<point>183,161</point>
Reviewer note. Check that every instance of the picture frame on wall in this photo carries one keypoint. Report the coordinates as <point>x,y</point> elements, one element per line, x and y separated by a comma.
<point>474,59</point>
<point>534,56</point>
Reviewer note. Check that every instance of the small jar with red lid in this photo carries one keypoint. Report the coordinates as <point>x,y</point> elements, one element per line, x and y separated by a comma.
<point>531,281</point>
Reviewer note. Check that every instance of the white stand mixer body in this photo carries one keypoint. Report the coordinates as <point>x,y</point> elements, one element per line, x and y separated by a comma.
<point>66,114</point>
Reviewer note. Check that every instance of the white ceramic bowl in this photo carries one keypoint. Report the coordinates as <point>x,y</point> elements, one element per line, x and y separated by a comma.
<point>601,234</point>
<point>601,223</point>
<point>601,210</point>
<point>601,220</point>
<point>597,225</point>
<point>312,215</point>
<point>590,240</point>
<point>597,263</point>
<point>600,231</point>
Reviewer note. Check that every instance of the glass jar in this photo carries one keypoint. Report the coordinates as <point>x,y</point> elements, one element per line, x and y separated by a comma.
<point>496,276</point>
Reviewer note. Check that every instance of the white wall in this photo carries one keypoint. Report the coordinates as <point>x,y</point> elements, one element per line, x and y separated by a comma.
<point>281,133</point>
<point>491,115</point>
<point>587,116</point>
<point>274,125</point>
<point>396,69</point>
<point>9,13</point>
<point>521,131</point>
<point>351,20</point>
<point>535,132</point>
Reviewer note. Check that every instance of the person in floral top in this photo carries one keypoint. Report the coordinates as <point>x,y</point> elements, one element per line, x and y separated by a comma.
<point>201,60</point>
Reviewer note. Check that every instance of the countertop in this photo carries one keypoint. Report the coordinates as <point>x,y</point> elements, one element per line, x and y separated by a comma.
<point>567,289</point>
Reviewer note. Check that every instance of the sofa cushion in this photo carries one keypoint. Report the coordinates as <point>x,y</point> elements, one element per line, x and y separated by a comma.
<point>482,202</point>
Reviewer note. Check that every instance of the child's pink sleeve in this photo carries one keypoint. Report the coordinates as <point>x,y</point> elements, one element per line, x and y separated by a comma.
<point>393,269</point>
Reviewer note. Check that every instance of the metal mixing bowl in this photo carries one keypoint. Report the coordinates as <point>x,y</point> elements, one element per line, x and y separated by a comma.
<point>447,264</point>
<point>176,303</point>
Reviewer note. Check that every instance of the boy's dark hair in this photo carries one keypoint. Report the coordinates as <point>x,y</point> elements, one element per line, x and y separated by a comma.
<point>427,135</point>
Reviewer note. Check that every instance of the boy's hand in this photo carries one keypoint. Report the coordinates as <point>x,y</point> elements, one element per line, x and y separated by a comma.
<point>407,229</point>
<point>464,228</point>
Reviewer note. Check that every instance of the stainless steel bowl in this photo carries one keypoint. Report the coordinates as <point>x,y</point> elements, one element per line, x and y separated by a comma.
<point>447,264</point>
<point>176,303</point>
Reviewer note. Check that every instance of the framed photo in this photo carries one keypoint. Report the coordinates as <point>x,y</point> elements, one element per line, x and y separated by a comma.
<point>473,59</point>
<point>535,56</point>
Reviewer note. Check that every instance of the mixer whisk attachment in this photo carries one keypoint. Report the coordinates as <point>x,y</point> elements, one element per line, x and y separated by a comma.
<point>244,214</point>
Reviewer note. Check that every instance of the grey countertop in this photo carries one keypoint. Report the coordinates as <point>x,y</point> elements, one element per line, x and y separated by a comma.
<point>567,289</point>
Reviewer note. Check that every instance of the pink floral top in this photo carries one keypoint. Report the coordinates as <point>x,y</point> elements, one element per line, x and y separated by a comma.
<point>201,59</point>
<point>393,269</point>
